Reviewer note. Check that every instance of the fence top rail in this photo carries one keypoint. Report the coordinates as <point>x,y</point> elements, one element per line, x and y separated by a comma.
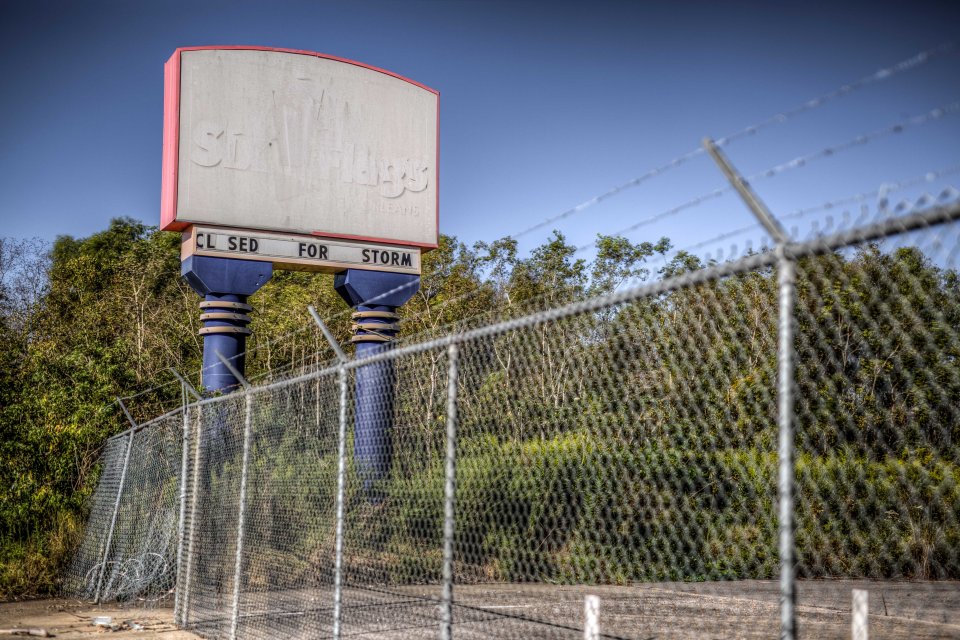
<point>930,217</point>
<point>148,423</point>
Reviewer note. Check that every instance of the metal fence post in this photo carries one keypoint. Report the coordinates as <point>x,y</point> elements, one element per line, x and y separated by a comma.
<point>181,594</point>
<point>116,504</point>
<point>591,618</point>
<point>191,536</point>
<point>241,517</point>
<point>787,283</point>
<point>860,619</point>
<point>449,494</point>
<point>341,470</point>
<point>242,499</point>
<point>341,485</point>
<point>178,594</point>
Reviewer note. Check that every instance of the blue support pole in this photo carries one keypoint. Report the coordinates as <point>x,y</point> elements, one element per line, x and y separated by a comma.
<point>225,284</point>
<point>376,296</point>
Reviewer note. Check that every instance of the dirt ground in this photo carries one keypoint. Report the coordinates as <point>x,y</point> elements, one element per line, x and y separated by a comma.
<point>72,619</point>
<point>681,611</point>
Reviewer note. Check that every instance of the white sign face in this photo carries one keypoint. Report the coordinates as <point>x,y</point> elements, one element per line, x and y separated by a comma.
<point>300,143</point>
<point>298,253</point>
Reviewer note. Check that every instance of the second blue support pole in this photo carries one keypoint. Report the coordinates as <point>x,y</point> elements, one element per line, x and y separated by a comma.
<point>376,296</point>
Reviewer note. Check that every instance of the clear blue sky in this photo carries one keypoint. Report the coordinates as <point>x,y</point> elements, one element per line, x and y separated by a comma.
<point>543,104</point>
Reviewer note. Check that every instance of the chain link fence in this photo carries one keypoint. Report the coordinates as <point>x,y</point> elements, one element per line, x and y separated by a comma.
<point>727,451</point>
<point>130,548</point>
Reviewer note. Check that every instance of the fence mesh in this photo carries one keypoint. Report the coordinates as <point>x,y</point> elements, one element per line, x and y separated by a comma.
<point>878,434</point>
<point>287,564</point>
<point>130,550</point>
<point>213,530</point>
<point>624,446</point>
<point>83,576</point>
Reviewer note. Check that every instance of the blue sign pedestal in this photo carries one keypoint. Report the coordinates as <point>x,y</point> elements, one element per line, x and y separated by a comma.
<point>376,296</point>
<point>225,285</point>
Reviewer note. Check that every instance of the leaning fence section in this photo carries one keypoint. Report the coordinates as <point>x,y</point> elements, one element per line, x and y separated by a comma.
<point>85,571</point>
<point>130,550</point>
<point>627,446</point>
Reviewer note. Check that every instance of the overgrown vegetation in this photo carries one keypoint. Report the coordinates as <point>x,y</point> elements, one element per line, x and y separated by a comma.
<point>633,443</point>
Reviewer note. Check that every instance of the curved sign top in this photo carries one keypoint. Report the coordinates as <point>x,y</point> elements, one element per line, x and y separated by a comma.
<point>298,142</point>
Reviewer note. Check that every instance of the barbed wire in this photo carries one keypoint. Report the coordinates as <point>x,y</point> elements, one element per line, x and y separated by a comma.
<point>244,354</point>
<point>908,64</point>
<point>887,186</point>
<point>797,163</point>
<point>309,325</point>
<point>947,195</point>
<point>897,127</point>
<point>149,390</point>
<point>882,74</point>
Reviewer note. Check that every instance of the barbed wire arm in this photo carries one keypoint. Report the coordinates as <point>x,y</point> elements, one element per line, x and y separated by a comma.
<point>341,356</point>
<point>123,407</point>
<point>233,370</point>
<point>189,387</point>
<point>753,202</point>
